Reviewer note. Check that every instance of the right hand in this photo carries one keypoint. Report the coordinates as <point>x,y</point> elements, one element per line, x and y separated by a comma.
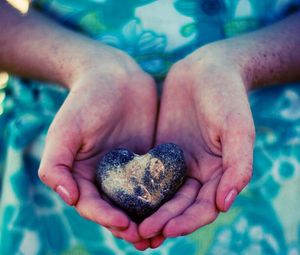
<point>112,103</point>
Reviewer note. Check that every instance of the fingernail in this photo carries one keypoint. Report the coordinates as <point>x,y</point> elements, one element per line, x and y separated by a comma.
<point>64,194</point>
<point>230,199</point>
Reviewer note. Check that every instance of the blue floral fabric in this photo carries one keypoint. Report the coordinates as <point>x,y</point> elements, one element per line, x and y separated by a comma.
<point>265,218</point>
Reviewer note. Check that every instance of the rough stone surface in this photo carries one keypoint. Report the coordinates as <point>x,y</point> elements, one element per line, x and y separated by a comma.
<point>141,184</point>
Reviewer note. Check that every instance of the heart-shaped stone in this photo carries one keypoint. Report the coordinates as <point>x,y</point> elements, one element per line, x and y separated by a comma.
<point>141,184</point>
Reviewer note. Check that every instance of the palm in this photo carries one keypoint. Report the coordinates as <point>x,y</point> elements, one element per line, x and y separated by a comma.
<point>96,117</point>
<point>182,124</point>
<point>179,122</point>
<point>120,124</point>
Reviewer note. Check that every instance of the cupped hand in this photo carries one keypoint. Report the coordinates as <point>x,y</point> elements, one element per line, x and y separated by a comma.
<point>205,110</point>
<point>111,103</point>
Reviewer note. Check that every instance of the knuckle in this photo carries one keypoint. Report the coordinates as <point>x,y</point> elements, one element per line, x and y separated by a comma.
<point>239,125</point>
<point>165,211</point>
<point>211,218</point>
<point>246,175</point>
<point>181,199</point>
<point>180,196</point>
<point>204,202</point>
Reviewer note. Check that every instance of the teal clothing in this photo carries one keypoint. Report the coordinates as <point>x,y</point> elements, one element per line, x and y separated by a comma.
<point>264,219</point>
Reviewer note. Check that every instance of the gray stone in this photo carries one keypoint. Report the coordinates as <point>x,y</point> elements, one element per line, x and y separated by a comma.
<point>141,184</point>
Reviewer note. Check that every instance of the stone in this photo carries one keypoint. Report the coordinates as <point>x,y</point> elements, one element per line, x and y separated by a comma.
<point>140,184</point>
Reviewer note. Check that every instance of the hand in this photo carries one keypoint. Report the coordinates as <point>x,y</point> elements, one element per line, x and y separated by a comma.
<point>205,110</point>
<point>111,103</point>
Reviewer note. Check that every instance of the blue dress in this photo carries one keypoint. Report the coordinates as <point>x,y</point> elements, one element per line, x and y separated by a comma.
<point>265,218</point>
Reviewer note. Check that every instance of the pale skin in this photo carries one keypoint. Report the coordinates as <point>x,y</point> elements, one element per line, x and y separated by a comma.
<point>112,103</point>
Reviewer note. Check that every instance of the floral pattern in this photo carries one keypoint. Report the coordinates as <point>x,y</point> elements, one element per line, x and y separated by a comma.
<point>264,219</point>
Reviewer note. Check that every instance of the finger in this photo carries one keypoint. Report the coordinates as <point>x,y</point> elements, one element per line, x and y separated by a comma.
<point>61,147</point>
<point>142,245</point>
<point>130,234</point>
<point>184,197</point>
<point>157,241</point>
<point>92,207</point>
<point>202,212</point>
<point>237,152</point>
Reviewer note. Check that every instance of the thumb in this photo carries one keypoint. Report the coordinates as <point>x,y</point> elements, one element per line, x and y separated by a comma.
<point>237,156</point>
<point>55,169</point>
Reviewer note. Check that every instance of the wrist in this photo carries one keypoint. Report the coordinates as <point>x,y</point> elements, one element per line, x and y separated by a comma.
<point>220,60</point>
<point>230,58</point>
<point>103,64</point>
<point>96,59</point>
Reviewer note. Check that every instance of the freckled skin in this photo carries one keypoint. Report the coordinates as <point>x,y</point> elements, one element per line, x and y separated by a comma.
<point>267,56</point>
<point>163,174</point>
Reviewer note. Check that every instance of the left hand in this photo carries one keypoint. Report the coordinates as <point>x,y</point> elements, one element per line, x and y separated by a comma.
<point>205,110</point>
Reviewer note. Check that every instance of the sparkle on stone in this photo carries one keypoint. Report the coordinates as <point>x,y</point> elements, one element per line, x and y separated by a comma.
<point>140,184</point>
